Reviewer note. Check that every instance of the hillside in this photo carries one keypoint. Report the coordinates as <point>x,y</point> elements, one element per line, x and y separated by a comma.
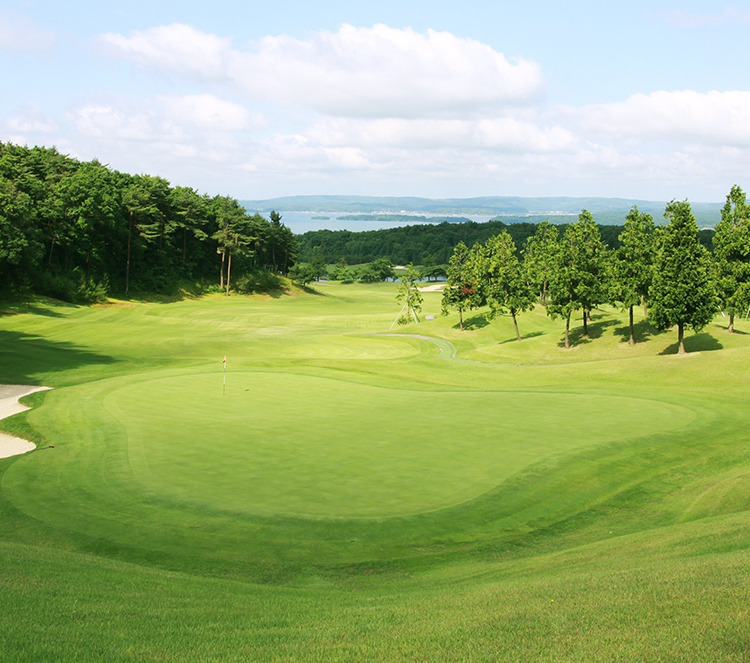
<point>606,210</point>
<point>354,495</point>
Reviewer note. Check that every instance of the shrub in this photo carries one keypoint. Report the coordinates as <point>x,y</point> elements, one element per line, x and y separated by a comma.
<point>259,280</point>
<point>75,288</point>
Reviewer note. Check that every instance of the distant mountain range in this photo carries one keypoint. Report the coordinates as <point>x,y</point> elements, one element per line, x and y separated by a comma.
<point>605,210</point>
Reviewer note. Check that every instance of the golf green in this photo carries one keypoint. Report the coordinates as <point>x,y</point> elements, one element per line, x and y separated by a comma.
<point>351,450</point>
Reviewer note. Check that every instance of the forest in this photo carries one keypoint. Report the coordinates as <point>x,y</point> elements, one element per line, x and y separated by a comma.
<point>80,231</point>
<point>429,243</point>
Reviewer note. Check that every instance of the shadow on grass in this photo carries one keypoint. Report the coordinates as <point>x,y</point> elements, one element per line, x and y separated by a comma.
<point>524,337</point>
<point>736,331</point>
<point>25,356</point>
<point>694,343</point>
<point>642,330</point>
<point>596,329</point>
<point>308,290</point>
<point>276,293</point>
<point>475,322</point>
<point>35,307</point>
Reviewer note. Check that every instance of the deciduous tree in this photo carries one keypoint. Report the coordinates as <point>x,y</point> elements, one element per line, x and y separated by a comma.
<point>578,281</point>
<point>539,258</point>
<point>460,292</point>
<point>499,271</point>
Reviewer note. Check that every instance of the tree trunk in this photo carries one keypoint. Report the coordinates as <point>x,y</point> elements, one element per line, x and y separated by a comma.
<point>127,261</point>
<point>681,338</point>
<point>515,324</point>
<point>731,322</point>
<point>461,319</point>
<point>632,335</point>
<point>645,308</point>
<point>567,331</point>
<point>585,323</point>
<point>221,270</point>
<point>229,271</point>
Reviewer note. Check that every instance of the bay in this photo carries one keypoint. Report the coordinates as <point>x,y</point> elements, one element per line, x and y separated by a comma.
<point>302,222</point>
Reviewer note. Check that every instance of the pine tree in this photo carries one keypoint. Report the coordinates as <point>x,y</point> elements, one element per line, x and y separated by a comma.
<point>409,295</point>
<point>682,292</point>
<point>732,249</point>
<point>633,264</point>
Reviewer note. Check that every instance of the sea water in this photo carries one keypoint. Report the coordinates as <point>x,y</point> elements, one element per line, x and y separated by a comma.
<point>302,222</point>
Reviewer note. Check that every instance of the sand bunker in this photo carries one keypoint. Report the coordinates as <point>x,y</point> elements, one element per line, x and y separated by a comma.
<point>9,405</point>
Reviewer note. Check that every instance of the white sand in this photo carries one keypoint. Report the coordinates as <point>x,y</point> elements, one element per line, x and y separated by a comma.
<point>433,288</point>
<point>9,405</point>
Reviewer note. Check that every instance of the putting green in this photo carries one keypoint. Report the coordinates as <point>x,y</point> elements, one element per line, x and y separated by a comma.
<point>287,444</point>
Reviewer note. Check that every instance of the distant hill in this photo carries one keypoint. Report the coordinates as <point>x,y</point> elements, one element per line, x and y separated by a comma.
<point>607,211</point>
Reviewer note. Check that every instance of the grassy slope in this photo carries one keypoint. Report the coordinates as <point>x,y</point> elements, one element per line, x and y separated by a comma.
<point>607,540</point>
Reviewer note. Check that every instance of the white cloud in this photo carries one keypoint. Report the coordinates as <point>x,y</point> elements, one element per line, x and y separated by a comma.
<point>32,120</point>
<point>205,111</point>
<point>117,122</point>
<point>350,158</point>
<point>164,118</point>
<point>21,34</point>
<point>363,72</point>
<point>713,118</point>
<point>174,48</point>
<point>611,149</point>
<point>385,72</point>
<point>496,134</point>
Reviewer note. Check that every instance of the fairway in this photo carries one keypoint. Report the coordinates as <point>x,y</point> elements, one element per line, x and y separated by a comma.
<point>350,482</point>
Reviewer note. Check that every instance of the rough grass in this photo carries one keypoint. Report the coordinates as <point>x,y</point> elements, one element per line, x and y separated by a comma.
<point>361,496</point>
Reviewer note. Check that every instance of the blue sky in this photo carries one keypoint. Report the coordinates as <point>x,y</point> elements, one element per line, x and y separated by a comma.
<point>437,99</point>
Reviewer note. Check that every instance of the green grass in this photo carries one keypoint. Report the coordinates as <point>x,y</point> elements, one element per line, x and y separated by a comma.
<point>358,495</point>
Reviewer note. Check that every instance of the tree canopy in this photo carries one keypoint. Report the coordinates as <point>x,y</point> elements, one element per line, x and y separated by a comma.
<point>77,230</point>
<point>498,269</point>
<point>682,292</point>
<point>632,267</point>
<point>578,280</point>
<point>732,248</point>
<point>461,291</point>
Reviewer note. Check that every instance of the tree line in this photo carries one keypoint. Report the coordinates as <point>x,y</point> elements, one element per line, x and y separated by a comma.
<point>81,230</point>
<point>426,244</point>
<point>666,269</point>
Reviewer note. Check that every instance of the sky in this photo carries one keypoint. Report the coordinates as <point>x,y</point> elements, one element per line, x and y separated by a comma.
<point>646,100</point>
